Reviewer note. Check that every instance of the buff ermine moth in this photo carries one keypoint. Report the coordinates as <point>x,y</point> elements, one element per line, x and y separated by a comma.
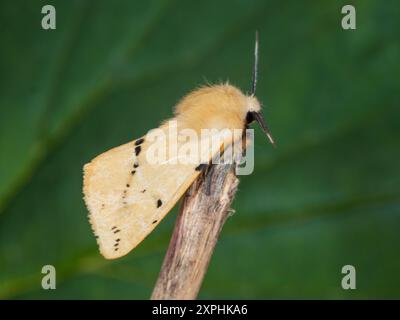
<point>127,193</point>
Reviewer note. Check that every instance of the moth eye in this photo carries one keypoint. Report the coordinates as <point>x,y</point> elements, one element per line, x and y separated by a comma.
<point>249,117</point>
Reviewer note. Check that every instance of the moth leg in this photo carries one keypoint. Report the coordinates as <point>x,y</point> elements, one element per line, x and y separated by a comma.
<point>208,180</point>
<point>189,192</point>
<point>204,168</point>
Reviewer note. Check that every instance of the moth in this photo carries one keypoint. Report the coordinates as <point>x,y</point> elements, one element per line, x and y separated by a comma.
<point>127,195</point>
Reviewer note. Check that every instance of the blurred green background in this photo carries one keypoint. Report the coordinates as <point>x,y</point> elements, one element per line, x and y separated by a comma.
<point>327,196</point>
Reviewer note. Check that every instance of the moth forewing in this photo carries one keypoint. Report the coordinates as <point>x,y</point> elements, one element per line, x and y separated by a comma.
<point>128,194</point>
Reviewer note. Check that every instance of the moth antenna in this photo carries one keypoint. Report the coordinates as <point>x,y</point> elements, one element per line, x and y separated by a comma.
<point>255,67</point>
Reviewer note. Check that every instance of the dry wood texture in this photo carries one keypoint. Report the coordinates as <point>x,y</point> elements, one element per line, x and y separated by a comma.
<point>203,213</point>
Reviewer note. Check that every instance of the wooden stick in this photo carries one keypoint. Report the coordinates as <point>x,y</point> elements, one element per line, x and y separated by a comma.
<point>199,223</point>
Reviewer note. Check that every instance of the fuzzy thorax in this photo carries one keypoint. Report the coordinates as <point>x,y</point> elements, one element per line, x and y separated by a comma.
<point>215,107</point>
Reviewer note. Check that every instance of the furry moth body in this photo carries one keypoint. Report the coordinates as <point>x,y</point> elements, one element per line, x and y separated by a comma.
<point>127,196</point>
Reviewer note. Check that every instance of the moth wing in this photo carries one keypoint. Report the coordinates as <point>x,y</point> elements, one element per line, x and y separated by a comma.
<point>127,195</point>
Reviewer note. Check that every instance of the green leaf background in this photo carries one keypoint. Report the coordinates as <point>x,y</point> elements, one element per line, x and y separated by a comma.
<point>327,196</point>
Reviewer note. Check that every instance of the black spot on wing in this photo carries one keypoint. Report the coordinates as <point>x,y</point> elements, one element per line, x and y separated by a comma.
<point>155,221</point>
<point>136,164</point>
<point>133,172</point>
<point>116,244</point>
<point>139,142</point>
<point>143,191</point>
<point>137,150</point>
<point>159,203</point>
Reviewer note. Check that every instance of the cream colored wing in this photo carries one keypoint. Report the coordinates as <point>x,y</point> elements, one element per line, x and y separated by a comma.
<point>127,195</point>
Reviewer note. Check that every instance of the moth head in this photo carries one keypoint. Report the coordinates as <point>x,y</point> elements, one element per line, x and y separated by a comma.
<point>253,106</point>
<point>254,113</point>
